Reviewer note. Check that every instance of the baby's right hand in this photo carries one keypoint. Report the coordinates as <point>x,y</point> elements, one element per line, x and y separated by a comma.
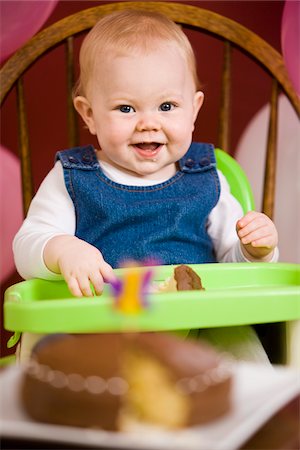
<point>80,263</point>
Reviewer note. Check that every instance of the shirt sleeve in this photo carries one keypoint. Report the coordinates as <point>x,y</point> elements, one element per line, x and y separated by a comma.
<point>221,227</point>
<point>51,213</point>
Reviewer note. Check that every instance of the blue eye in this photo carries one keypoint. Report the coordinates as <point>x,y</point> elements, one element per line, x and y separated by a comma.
<point>167,106</point>
<point>126,109</point>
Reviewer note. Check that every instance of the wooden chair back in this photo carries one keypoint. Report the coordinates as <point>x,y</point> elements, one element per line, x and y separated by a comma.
<point>231,33</point>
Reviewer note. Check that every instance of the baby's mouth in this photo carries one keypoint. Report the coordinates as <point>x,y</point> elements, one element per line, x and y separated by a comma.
<point>147,149</point>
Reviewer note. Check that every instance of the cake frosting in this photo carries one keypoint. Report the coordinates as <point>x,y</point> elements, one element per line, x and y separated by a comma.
<point>184,278</point>
<point>110,380</point>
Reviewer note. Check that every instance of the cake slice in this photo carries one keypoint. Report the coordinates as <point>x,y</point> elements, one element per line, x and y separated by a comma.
<point>187,279</point>
<point>174,383</point>
<point>111,381</point>
<point>184,278</point>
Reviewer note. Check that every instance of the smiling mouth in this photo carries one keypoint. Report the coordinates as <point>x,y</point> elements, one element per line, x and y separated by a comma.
<point>148,149</point>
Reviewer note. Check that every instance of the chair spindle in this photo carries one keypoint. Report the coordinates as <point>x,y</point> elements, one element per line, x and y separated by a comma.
<point>24,150</point>
<point>73,138</point>
<point>224,115</point>
<point>271,154</point>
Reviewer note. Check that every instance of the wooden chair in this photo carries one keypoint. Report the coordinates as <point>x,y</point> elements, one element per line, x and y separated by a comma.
<point>231,33</point>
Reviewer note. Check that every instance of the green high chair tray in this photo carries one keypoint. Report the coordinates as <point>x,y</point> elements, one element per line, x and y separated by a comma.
<point>235,294</point>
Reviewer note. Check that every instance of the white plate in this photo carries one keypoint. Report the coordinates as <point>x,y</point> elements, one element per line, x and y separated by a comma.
<point>259,391</point>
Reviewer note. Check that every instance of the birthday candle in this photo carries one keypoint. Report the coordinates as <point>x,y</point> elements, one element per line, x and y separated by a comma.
<point>130,293</point>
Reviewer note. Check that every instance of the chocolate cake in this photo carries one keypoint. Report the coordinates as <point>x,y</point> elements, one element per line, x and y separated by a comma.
<point>184,278</point>
<point>112,380</point>
<point>187,279</point>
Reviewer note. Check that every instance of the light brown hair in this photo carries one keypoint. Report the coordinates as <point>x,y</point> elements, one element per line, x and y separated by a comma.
<point>129,31</point>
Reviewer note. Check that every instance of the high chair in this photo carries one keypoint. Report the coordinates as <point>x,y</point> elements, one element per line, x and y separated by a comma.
<point>235,293</point>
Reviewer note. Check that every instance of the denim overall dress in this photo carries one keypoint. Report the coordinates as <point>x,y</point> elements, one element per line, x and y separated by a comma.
<point>165,222</point>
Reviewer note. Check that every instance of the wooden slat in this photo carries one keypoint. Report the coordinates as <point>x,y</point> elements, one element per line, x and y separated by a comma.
<point>73,138</point>
<point>271,154</point>
<point>24,150</point>
<point>224,115</point>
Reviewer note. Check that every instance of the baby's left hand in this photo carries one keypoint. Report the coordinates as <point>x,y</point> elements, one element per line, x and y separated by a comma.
<point>258,234</point>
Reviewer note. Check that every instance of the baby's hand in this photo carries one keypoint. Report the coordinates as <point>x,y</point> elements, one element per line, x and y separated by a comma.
<point>80,263</point>
<point>257,234</point>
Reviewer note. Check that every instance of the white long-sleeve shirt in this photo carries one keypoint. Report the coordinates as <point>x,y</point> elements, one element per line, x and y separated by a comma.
<point>52,213</point>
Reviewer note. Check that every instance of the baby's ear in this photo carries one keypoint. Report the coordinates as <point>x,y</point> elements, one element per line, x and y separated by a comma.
<point>83,107</point>
<point>198,102</point>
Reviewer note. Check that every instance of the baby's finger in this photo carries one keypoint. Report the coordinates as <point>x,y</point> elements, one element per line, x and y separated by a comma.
<point>85,286</point>
<point>107,272</point>
<point>258,233</point>
<point>74,286</point>
<point>265,241</point>
<point>97,281</point>
<point>258,240</point>
<point>248,217</point>
<point>255,224</point>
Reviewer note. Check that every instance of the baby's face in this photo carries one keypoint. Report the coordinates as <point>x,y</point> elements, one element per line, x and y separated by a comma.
<point>143,109</point>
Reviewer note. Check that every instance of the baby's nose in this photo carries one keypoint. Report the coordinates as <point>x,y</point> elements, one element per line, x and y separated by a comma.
<point>148,122</point>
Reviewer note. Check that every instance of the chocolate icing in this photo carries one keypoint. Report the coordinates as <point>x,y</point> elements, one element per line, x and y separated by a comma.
<point>187,279</point>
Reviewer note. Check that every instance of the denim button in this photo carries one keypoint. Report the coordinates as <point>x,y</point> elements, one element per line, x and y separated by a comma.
<point>190,163</point>
<point>72,159</point>
<point>86,158</point>
<point>204,162</point>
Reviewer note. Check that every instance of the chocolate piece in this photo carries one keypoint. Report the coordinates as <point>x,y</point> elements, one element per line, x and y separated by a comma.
<point>187,279</point>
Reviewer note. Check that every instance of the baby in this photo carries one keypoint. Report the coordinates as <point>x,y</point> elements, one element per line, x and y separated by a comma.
<point>147,190</point>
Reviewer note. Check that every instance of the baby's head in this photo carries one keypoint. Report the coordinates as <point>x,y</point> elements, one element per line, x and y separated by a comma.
<point>138,92</point>
<point>130,32</point>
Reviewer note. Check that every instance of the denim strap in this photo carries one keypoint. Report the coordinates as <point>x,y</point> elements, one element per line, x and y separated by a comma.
<point>199,158</point>
<point>83,158</point>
